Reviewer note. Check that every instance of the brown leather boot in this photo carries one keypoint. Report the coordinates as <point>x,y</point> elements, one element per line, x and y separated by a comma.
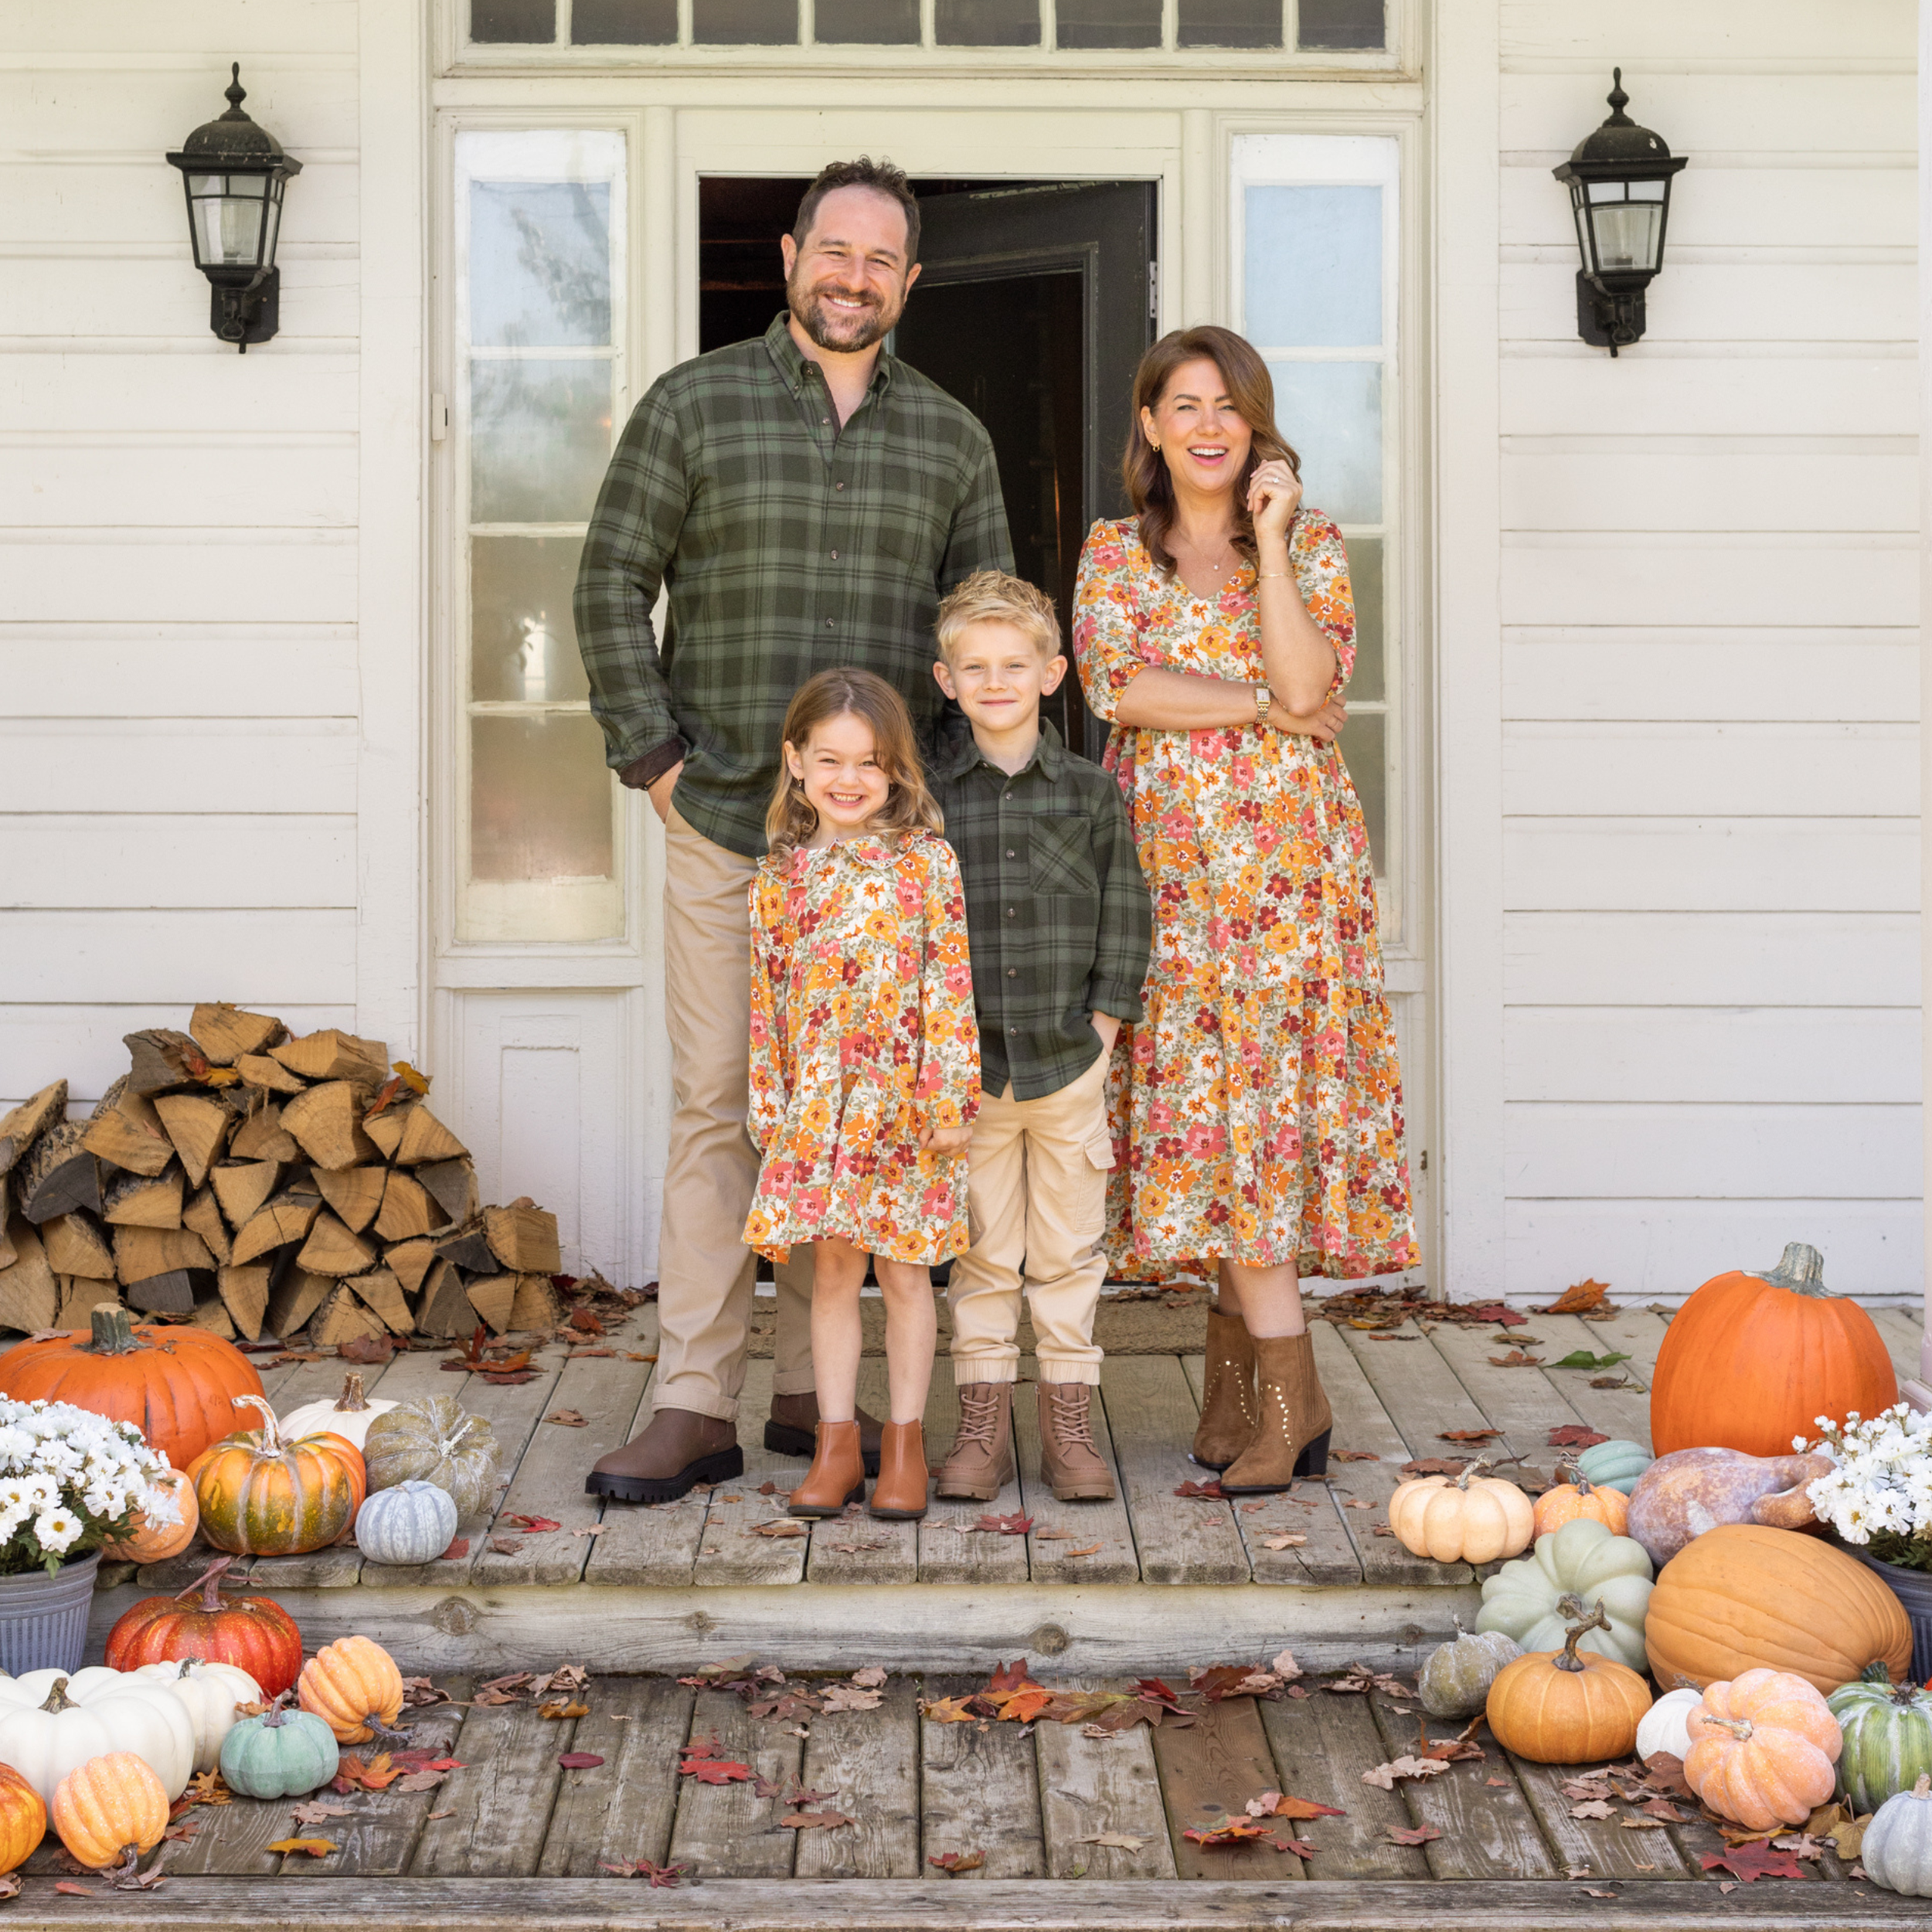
<point>980,1463</point>
<point>837,1476</point>
<point>794,1420</point>
<point>677,1450</point>
<point>900,1491</point>
<point>1229,1416</point>
<point>1068,1458</point>
<point>1293,1439</point>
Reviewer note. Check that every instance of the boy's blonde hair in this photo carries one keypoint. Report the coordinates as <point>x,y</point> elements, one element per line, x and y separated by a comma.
<point>992,596</point>
<point>792,818</point>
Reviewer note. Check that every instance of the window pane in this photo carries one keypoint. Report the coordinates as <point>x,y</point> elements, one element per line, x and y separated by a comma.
<point>523,20</point>
<point>539,799</point>
<point>1314,266</point>
<point>540,435</point>
<point>1340,23</point>
<point>1108,23</point>
<point>540,264</point>
<point>624,23</point>
<point>875,23</point>
<point>1230,23</point>
<point>1370,682</point>
<point>745,23</point>
<point>1331,413</point>
<point>988,23</point>
<point>523,645</point>
<point>1364,742</point>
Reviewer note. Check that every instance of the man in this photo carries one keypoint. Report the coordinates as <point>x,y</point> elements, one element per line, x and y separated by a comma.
<point>805,500</point>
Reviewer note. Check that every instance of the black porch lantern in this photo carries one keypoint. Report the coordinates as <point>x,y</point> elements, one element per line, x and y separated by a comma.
<point>234,173</point>
<point>1619,180</point>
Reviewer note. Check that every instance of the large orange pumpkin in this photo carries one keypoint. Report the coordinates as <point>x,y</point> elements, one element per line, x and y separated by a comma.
<point>354,1687</point>
<point>147,1543</point>
<point>1742,1597</point>
<point>261,1496</point>
<point>1751,1361</point>
<point>23,1818</point>
<point>254,1633</point>
<point>178,1386</point>
<point>110,1810</point>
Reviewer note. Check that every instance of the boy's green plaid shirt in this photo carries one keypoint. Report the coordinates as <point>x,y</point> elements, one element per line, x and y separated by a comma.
<point>785,544</point>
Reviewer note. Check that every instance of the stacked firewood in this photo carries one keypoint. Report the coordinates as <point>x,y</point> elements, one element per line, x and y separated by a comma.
<point>249,1183</point>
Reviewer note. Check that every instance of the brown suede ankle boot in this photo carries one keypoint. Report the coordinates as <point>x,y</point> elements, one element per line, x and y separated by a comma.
<point>900,1491</point>
<point>837,1476</point>
<point>980,1463</point>
<point>1293,1439</point>
<point>1229,1416</point>
<point>1069,1458</point>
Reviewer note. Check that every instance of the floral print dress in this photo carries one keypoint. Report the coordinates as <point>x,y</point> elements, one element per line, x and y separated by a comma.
<point>1256,1108</point>
<point>863,1033</point>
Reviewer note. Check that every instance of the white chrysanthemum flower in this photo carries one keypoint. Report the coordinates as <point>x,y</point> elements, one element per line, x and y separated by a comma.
<point>56,1530</point>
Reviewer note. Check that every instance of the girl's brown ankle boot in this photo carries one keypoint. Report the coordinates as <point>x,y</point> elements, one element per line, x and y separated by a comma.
<point>900,1491</point>
<point>1228,1417</point>
<point>837,1476</point>
<point>1293,1439</point>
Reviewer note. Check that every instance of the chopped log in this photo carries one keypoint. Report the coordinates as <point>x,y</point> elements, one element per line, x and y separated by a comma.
<point>535,1305</point>
<point>245,1292</point>
<point>354,1193</point>
<point>378,1291</point>
<point>241,1186</point>
<point>167,1293</point>
<point>453,1185</point>
<point>324,1121</point>
<point>286,1218</point>
<point>425,1138</point>
<point>444,1309</point>
<point>330,1248</point>
<point>302,1183</point>
<point>141,1253</point>
<point>58,1175</point>
<point>76,1245</point>
<point>8,1252</point>
<point>125,1131</point>
<point>468,1248</point>
<point>386,1129</point>
<point>523,1237</point>
<point>257,1070</point>
<point>212,1315</point>
<point>27,1121</point>
<point>197,1125</point>
<point>29,1295</point>
<point>493,1296</point>
<point>410,1263</point>
<point>203,1215</point>
<point>262,1137</point>
<point>164,1060</point>
<point>134,1201</point>
<point>80,1295</point>
<point>293,1299</point>
<point>224,1033</point>
<point>331,1055</point>
<point>408,1209</point>
<point>343,1318</point>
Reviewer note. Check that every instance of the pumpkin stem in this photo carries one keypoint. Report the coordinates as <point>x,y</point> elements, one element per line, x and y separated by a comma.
<point>351,1401</point>
<point>1570,1606</point>
<point>1801,1269</point>
<point>1481,1466</point>
<point>1739,1727</point>
<point>276,1717</point>
<point>1877,1671</point>
<point>1572,1472</point>
<point>271,1432</point>
<point>1924,1787</point>
<point>114,1331</point>
<point>57,1697</point>
<point>126,1875</point>
<point>209,1584</point>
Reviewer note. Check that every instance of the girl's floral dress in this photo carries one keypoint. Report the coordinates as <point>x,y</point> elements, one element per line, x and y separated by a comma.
<point>1256,1109</point>
<point>863,1033</point>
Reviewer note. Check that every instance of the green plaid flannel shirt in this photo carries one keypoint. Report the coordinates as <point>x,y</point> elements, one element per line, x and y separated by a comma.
<point>1058,917</point>
<point>786,544</point>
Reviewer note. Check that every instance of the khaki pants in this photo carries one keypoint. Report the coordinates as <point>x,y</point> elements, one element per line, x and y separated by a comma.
<point>1036,1195</point>
<point>704,1270</point>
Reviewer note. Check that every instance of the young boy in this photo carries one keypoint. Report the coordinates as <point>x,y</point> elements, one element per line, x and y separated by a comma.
<point>1059,924</point>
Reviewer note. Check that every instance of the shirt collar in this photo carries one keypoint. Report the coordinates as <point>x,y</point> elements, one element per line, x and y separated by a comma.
<point>792,363</point>
<point>1048,754</point>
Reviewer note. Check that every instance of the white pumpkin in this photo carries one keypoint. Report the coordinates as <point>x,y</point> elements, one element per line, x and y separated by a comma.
<point>349,1414</point>
<point>1896,1852</point>
<point>209,1692</point>
<point>1665,1726</point>
<point>44,1742</point>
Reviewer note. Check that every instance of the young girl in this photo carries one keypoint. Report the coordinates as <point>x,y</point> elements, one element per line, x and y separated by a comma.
<point>864,1063</point>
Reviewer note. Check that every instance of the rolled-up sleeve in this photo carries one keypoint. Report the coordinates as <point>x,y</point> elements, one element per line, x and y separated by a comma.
<point>1106,645</point>
<point>1321,561</point>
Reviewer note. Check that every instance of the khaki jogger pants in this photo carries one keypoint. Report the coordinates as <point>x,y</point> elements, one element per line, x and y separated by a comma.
<point>704,1270</point>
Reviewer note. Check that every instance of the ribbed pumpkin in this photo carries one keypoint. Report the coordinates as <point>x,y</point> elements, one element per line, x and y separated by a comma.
<point>1751,1361</point>
<point>1762,1750</point>
<point>1897,1850</point>
<point>1580,1499</point>
<point>46,1738</point>
<point>1664,1728</point>
<point>1567,1707</point>
<point>110,1810</point>
<point>279,1753</point>
<point>262,1496</point>
<point>1455,1680</point>
<point>432,1439</point>
<point>412,1523</point>
<point>354,1687</point>
<point>1469,1519</point>
<point>348,1416</point>
<point>155,1543</point>
<point>23,1818</point>
<point>1582,1559</point>
<point>1615,1464</point>
<point>1742,1597</point>
<point>178,1386</point>
<point>254,1633</point>
<point>1888,1737</point>
<point>209,1693</point>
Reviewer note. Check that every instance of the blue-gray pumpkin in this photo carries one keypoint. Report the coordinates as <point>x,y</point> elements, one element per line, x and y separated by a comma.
<point>281,1753</point>
<point>1897,1850</point>
<point>1615,1464</point>
<point>412,1523</point>
<point>1888,1737</point>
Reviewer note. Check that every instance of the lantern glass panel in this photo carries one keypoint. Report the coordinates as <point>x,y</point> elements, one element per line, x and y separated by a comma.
<point>228,211</point>
<point>1627,219</point>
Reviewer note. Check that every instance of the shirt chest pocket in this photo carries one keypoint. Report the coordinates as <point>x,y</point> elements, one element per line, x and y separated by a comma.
<point>1060,858</point>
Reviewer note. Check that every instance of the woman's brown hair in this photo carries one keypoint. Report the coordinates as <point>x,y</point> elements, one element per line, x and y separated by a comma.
<point>792,818</point>
<point>1251,390</point>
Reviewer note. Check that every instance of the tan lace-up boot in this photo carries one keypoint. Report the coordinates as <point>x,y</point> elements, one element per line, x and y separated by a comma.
<point>1068,1458</point>
<point>1228,1415</point>
<point>1293,1439</point>
<point>980,1463</point>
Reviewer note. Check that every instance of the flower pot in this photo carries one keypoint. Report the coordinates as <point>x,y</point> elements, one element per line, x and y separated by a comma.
<point>43,1619</point>
<point>1913,1589</point>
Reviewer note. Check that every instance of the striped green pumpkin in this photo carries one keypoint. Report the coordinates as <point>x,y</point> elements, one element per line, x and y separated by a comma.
<point>1615,1464</point>
<point>1888,1738</point>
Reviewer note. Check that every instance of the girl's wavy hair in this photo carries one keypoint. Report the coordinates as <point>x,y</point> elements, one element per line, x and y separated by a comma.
<point>1251,389</point>
<point>842,692</point>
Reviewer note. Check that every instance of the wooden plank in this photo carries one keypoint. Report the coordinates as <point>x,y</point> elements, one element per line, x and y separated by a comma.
<point>728,1830</point>
<point>500,1802</point>
<point>1904,1331</point>
<point>621,1809</point>
<point>1322,1743</point>
<point>1180,1539</point>
<point>1216,1765</point>
<point>1105,1523</point>
<point>946,1555</point>
<point>1602,1846</point>
<point>876,1552</point>
<point>1416,1386</point>
<point>979,1790</point>
<point>1524,1403</point>
<point>1623,1412</point>
<point>869,1761</point>
<point>732,1551</point>
<point>1092,1785</point>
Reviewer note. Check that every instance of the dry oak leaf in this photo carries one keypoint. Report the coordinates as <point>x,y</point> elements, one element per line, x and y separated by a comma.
<point>814,1821</point>
<point>10,1885</point>
<point>537,1526</point>
<point>1593,1808</point>
<point>706,1771</point>
<point>590,1760</point>
<point>1005,1525</point>
<point>568,1419</point>
<point>1119,1841</point>
<point>377,1773</point>
<point>207,1788</point>
<point>316,1848</point>
<point>1516,1358</point>
<point>871,1678</point>
<point>591,1530</point>
<point>317,1811</point>
<point>780,1526</point>
<point>506,1546</point>
<point>1467,1435</point>
<point>1226,1831</point>
<point>849,1697</point>
<point>957,1862</point>
<point>1576,1299</point>
<point>1750,1861</point>
<point>1209,1492</point>
<point>1575,1435</point>
<point>1279,1804</point>
<point>460,1547</point>
<point>664,1876</point>
<point>1283,1543</point>
<point>1384,1777</point>
<point>1419,1834</point>
<point>72,1890</point>
<point>574,1709</point>
<point>1353,1455</point>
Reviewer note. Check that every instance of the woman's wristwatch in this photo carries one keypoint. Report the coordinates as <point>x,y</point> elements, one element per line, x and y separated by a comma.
<point>1264,698</point>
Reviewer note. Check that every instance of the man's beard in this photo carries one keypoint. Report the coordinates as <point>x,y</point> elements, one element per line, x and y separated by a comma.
<point>843,334</point>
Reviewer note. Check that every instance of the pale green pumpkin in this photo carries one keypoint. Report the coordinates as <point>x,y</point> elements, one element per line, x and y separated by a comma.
<point>1888,1737</point>
<point>1454,1681</point>
<point>432,1439</point>
<point>1582,1560</point>
<point>1897,1850</point>
<point>1615,1464</point>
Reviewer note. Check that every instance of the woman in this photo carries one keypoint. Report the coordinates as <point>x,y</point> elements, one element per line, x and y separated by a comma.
<point>1256,1109</point>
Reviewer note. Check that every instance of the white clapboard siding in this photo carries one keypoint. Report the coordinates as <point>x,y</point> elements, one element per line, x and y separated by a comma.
<point>209,860</point>
<point>1839,1055</point>
<point>1711,959</point>
<point>117,94</point>
<point>225,575</point>
<point>180,764</point>
<point>126,198</point>
<point>1713,673</point>
<point>298,388</point>
<point>1630,31</point>
<point>97,301</point>
<point>136,481</point>
<point>288,27</point>
<point>277,671</point>
<point>297,957</point>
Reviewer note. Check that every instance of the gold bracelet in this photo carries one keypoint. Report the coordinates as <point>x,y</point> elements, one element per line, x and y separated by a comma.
<point>1263,697</point>
<point>1261,576</point>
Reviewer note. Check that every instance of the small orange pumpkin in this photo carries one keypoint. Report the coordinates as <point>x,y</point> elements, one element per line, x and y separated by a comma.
<point>1563,1706</point>
<point>1581,1497</point>
<point>1763,1746</point>
<point>260,1495</point>
<point>354,1687</point>
<point>153,1543</point>
<point>23,1818</point>
<point>110,1810</point>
